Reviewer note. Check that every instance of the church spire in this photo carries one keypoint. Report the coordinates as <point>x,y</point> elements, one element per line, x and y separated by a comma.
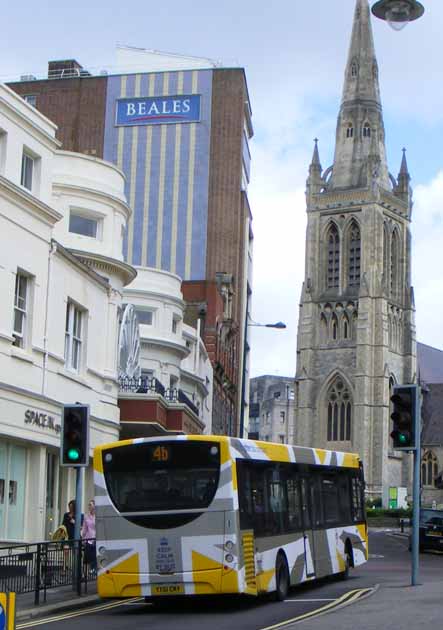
<point>360,130</point>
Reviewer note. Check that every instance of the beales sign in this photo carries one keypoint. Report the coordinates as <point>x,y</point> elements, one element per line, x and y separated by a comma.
<point>158,110</point>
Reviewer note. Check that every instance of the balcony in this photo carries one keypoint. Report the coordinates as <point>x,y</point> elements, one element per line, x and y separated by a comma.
<point>151,387</point>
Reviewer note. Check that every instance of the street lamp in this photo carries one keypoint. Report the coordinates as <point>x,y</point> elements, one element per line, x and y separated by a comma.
<point>279,325</point>
<point>397,13</point>
<point>250,322</point>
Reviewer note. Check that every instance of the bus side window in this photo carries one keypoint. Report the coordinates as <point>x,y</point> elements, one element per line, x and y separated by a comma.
<point>306,507</point>
<point>344,496</point>
<point>245,495</point>
<point>330,499</point>
<point>294,503</point>
<point>357,499</point>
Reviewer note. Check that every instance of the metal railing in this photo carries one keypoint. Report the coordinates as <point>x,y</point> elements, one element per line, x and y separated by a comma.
<point>37,567</point>
<point>146,385</point>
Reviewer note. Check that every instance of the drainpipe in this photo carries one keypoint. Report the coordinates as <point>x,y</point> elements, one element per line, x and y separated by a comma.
<point>52,250</point>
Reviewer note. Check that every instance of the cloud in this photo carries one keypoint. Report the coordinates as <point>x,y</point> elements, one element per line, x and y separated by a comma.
<point>427,240</point>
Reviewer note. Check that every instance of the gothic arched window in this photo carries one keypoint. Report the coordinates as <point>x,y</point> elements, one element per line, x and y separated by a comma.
<point>395,249</point>
<point>333,240</point>
<point>366,130</point>
<point>354,70</point>
<point>345,326</point>
<point>350,131</point>
<point>385,254</point>
<point>323,329</point>
<point>334,328</point>
<point>429,469</point>
<point>339,406</point>
<point>354,255</point>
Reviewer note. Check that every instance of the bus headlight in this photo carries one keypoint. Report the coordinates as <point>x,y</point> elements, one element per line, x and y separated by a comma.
<point>229,545</point>
<point>229,557</point>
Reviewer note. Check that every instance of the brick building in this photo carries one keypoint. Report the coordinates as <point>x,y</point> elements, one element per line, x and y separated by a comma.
<point>181,138</point>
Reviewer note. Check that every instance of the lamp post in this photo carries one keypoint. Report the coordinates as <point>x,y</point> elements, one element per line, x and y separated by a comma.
<point>398,13</point>
<point>250,322</point>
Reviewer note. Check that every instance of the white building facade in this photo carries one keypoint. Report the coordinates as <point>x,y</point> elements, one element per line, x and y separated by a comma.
<point>171,352</point>
<point>62,217</point>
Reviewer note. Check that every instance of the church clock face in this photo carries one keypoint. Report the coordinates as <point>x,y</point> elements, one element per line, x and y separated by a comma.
<point>129,344</point>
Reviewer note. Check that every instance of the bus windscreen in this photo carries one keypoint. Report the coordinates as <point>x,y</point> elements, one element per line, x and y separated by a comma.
<point>162,476</point>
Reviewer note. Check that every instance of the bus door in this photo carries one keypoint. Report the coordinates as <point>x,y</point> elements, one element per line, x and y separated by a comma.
<point>308,533</point>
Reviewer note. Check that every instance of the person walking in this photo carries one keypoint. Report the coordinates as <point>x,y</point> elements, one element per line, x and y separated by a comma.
<point>88,536</point>
<point>69,523</point>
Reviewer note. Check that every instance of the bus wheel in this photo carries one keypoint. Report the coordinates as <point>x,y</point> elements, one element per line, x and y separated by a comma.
<point>348,562</point>
<point>281,578</point>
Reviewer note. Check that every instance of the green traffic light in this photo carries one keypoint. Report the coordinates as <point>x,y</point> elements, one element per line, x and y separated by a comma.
<point>402,438</point>
<point>73,454</point>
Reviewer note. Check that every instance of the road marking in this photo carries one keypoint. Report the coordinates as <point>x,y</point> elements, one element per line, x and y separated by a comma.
<point>328,599</point>
<point>78,613</point>
<point>348,597</point>
<point>375,556</point>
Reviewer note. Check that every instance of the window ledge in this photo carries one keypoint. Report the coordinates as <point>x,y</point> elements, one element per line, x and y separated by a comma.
<point>74,376</point>
<point>23,355</point>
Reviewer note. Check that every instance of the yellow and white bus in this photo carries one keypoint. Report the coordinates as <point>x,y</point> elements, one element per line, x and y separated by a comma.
<point>206,515</point>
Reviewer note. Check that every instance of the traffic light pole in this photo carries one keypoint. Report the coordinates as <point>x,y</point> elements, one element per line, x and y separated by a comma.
<point>416,492</point>
<point>78,502</point>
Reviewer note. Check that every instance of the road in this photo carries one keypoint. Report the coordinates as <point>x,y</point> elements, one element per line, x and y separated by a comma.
<point>389,562</point>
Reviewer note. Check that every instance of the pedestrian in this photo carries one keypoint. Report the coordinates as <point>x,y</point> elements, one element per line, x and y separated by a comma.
<point>69,523</point>
<point>88,536</point>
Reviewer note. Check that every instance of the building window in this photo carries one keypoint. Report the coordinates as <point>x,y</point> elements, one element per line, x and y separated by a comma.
<point>366,130</point>
<point>334,326</point>
<point>339,416</point>
<point>27,173</point>
<point>21,306</point>
<point>83,225</point>
<point>282,439</point>
<point>31,99</point>
<point>354,256</point>
<point>354,70</point>
<point>394,263</point>
<point>73,337</point>
<point>144,317</point>
<point>174,325</point>
<point>282,416</point>
<point>333,257</point>
<point>3,137</point>
<point>429,469</point>
<point>350,131</point>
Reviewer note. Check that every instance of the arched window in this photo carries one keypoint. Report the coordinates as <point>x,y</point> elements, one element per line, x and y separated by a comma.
<point>333,257</point>
<point>334,328</point>
<point>429,469</point>
<point>395,247</point>
<point>354,70</point>
<point>323,329</point>
<point>345,327</point>
<point>350,131</point>
<point>354,256</point>
<point>366,130</point>
<point>339,407</point>
<point>385,254</point>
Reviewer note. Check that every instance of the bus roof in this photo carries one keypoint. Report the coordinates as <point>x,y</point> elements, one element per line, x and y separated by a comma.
<point>236,448</point>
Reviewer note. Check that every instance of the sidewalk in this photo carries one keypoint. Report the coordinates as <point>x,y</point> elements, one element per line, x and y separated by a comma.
<point>57,600</point>
<point>393,606</point>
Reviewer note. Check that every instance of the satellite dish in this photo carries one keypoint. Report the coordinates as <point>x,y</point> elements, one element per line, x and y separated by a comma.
<point>129,345</point>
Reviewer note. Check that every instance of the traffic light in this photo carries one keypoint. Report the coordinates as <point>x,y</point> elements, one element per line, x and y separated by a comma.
<point>403,417</point>
<point>74,446</point>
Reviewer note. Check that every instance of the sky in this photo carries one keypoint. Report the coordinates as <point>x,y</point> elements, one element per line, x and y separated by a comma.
<point>294,53</point>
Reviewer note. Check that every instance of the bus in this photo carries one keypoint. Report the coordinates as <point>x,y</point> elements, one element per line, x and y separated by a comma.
<point>208,515</point>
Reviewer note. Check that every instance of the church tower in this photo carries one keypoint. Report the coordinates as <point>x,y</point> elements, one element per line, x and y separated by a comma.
<point>356,332</point>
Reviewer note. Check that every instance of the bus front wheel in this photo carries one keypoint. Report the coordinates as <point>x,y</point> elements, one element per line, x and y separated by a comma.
<point>348,562</point>
<point>281,578</point>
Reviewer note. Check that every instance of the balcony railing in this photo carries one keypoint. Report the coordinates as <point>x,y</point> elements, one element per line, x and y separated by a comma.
<point>146,385</point>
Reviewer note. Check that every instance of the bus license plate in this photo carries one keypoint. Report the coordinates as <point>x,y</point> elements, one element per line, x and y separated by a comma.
<point>168,589</point>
